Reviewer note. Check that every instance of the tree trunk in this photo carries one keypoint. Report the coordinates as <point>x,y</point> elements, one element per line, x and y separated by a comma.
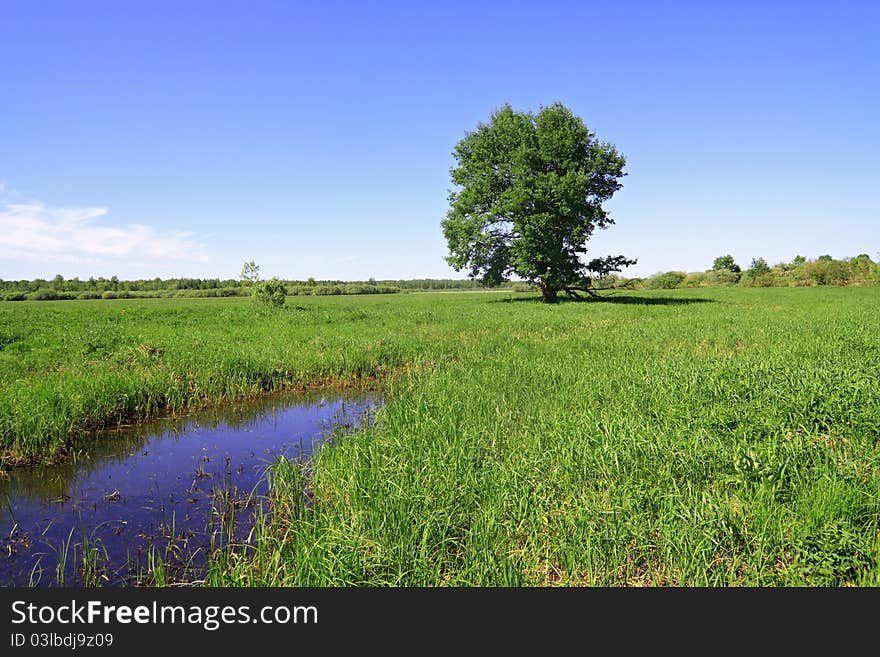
<point>548,293</point>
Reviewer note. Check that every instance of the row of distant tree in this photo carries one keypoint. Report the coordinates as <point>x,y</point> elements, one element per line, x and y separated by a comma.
<point>824,270</point>
<point>800,272</point>
<point>113,288</point>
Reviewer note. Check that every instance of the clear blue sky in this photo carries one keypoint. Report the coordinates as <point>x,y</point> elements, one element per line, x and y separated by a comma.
<point>162,139</point>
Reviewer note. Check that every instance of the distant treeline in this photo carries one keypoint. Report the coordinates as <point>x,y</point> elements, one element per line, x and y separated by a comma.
<point>60,288</point>
<point>800,272</point>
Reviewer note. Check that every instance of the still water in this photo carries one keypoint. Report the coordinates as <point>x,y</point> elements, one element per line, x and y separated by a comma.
<point>163,486</point>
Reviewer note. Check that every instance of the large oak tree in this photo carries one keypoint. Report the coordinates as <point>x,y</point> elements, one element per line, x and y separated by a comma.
<point>529,195</point>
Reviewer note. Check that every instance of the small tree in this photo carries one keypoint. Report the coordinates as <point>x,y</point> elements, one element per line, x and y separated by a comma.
<point>250,273</point>
<point>272,292</point>
<point>725,262</point>
<point>759,266</point>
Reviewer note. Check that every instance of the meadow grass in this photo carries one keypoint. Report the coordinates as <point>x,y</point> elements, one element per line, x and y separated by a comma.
<point>701,437</point>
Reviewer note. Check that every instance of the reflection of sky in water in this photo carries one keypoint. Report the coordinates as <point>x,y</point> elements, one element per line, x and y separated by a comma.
<point>132,484</point>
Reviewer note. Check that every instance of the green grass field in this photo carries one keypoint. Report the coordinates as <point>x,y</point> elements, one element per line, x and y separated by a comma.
<point>700,437</point>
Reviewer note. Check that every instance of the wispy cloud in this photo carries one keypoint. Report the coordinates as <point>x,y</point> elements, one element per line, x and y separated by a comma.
<point>33,231</point>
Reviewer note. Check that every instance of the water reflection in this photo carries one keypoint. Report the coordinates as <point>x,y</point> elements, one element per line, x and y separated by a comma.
<point>157,484</point>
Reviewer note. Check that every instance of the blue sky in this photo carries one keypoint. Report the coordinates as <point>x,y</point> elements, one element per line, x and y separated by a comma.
<point>166,139</point>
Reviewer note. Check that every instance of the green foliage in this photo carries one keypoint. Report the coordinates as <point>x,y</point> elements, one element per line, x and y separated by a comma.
<point>665,280</point>
<point>827,272</point>
<point>326,290</point>
<point>43,294</point>
<point>120,294</point>
<point>722,277</point>
<point>250,273</point>
<point>272,292</point>
<point>197,287</point>
<point>530,189</point>
<point>800,272</point>
<point>695,279</point>
<point>725,262</point>
<point>758,267</point>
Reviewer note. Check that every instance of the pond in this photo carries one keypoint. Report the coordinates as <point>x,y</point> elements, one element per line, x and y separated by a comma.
<point>162,487</point>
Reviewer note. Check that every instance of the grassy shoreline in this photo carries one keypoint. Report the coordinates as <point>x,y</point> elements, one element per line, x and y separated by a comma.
<point>705,437</point>
<point>67,370</point>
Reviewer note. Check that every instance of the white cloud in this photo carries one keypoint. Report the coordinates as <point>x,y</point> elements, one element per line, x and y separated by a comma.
<point>32,231</point>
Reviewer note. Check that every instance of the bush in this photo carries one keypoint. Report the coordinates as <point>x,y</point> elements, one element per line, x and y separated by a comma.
<point>823,271</point>
<point>15,296</point>
<point>665,281</point>
<point>722,277</point>
<point>88,295</point>
<point>270,293</point>
<point>43,294</point>
<point>695,279</point>
<point>326,290</point>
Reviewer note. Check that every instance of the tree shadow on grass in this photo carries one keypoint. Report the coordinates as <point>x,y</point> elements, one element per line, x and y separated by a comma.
<point>647,301</point>
<point>622,299</point>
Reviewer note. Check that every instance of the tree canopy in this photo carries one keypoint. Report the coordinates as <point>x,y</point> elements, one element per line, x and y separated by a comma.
<point>759,266</point>
<point>725,262</point>
<point>530,189</point>
<point>250,273</point>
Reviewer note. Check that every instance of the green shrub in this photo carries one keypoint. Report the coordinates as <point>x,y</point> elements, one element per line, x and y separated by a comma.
<point>326,290</point>
<point>695,279</point>
<point>43,294</point>
<point>764,280</point>
<point>272,292</point>
<point>722,277</point>
<point>823,271</point>
<point>15,296</point>
<point>665,281</point>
